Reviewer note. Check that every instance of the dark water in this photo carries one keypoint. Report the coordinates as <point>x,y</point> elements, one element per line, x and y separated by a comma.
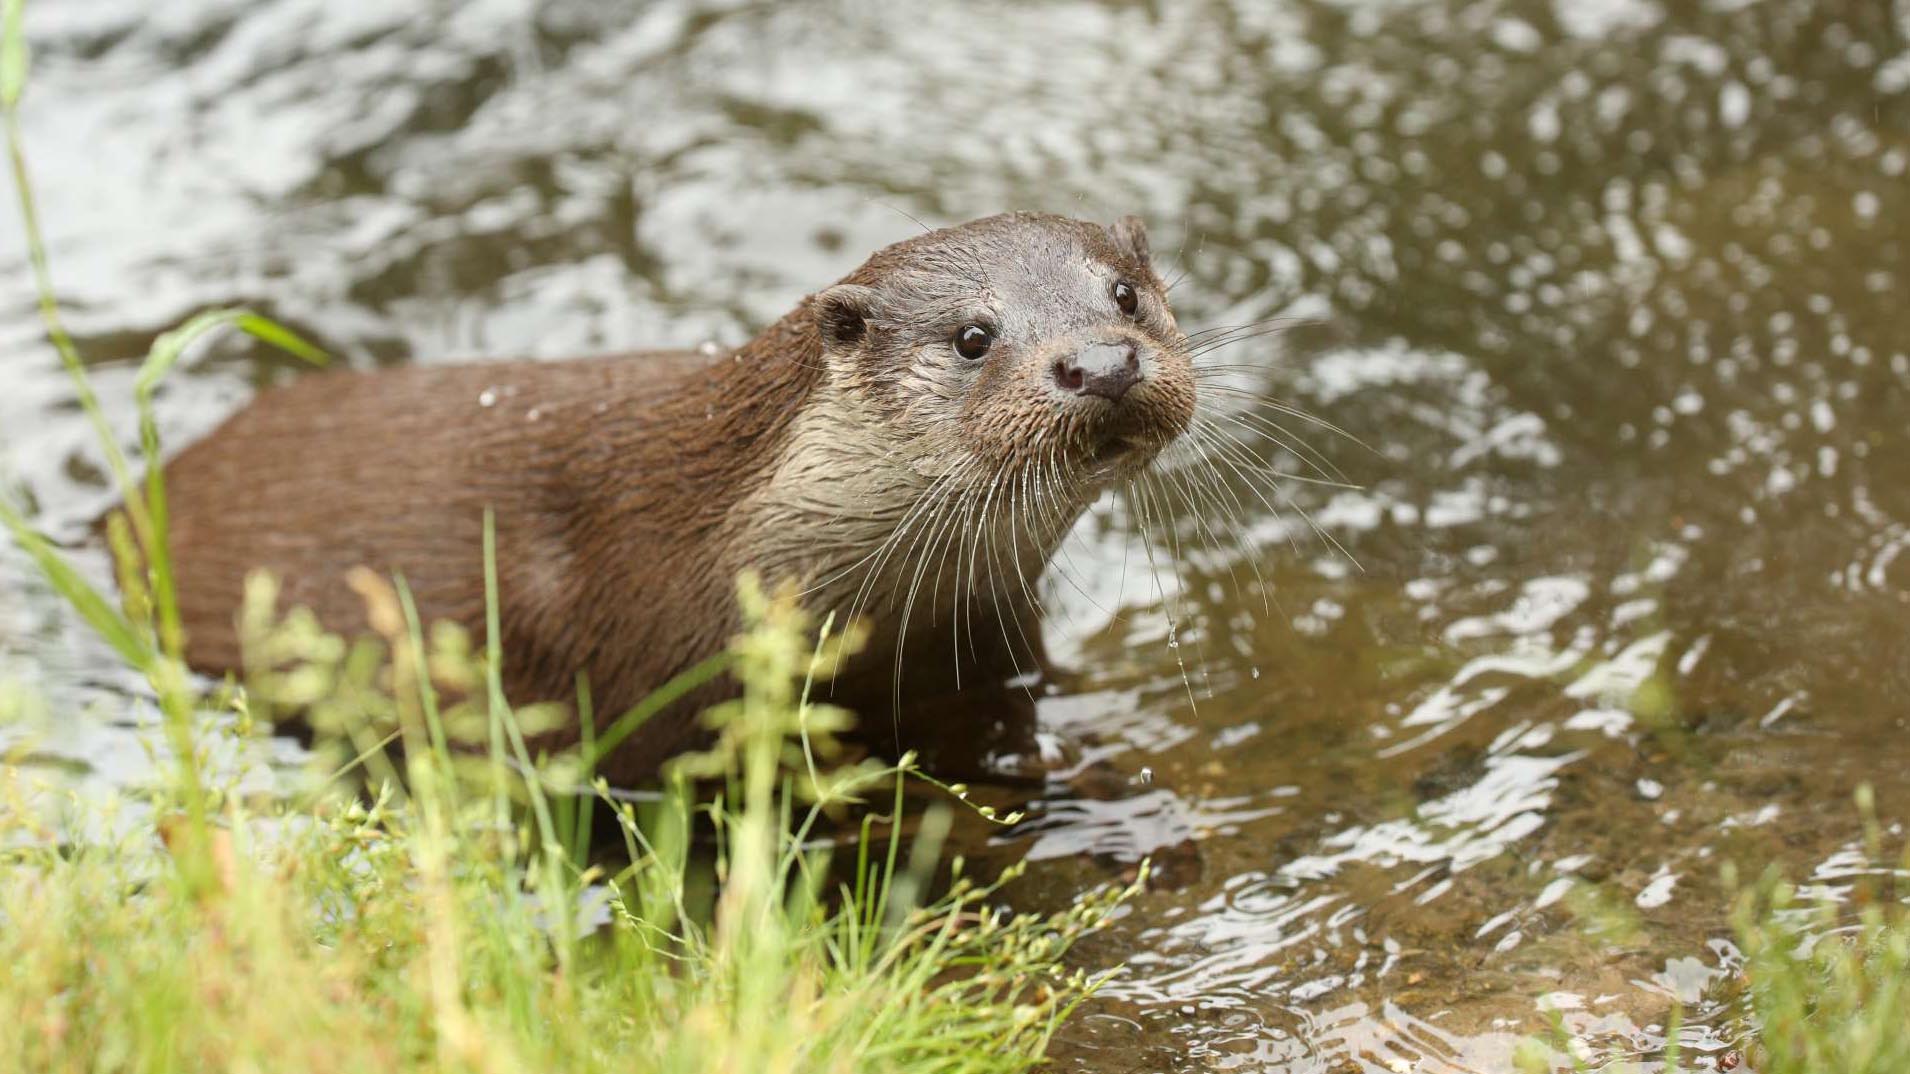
<point>1615,289</point>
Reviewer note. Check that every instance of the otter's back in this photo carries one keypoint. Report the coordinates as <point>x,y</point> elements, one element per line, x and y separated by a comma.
<point>392,471</point>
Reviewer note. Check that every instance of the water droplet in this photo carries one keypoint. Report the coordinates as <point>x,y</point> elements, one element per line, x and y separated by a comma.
<point>533,414</point>
<point>708,348</point>
<point>487,397</point>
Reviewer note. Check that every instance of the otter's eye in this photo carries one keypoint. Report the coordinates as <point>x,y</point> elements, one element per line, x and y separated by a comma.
<point>973,341</point>
<point>1126,298</point>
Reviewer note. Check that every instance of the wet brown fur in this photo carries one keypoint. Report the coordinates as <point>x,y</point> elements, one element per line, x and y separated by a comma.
<point>631,491</point>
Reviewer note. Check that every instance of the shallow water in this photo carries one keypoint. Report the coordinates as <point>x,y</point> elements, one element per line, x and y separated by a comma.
<point>1613,290</point>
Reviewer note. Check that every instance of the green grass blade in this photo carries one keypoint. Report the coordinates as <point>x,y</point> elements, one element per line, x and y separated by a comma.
<point>268,331</point>
<point>585,803</point>
<point>164,354</point>
<point>658,700</point>
<point>171,346</point>
<point>13,53</point>
<point>99,612</point>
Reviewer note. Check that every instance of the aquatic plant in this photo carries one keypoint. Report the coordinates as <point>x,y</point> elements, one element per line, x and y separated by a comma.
<point>1827,982</point>
<point>1825,979</point>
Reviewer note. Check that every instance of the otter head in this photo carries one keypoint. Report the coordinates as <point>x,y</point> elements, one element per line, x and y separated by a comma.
<point>1016,345</point>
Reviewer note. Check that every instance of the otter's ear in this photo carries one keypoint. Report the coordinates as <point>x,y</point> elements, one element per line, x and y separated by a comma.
<point>843,313</point>
<point>1131,236</point>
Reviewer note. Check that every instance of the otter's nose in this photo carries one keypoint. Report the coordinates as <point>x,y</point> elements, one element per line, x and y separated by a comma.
<point>1104,369</point>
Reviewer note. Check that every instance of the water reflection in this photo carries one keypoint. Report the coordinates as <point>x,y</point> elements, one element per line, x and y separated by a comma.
<point>1611,289</point>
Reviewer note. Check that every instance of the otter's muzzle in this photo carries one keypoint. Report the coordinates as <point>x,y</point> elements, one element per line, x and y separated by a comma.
<point>1104,369</point>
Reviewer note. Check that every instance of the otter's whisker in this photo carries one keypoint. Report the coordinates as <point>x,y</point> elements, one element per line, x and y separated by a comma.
<point>913,521</point>
<point>987,534</point>
<point>934,521</point>
<point>1283,407</point>
<point>1215,486</point>
<point>959,600</point>
<point>1241,434</point>
<point>1045,513</point>
<point>950,551</point>
<point>1233,448</point>
<point>1249,461</point>
<point>1167,602</point>
<point>1063,562</point>
<point>928,523</point>
<point>895,533</point>
<point>1231,514</point>
<point>1018,530</point>
<point>1209,344</point>
<point>1127,547</point>
<point>935,536</point>
<point>874,557</point>
<point>1028,644</point>
<point>1175,482</point>
<point>1180,557</point>
<point>1180,257</point>
<point>1208,335</point>
<point>1280,435</point>
<point>982,531</point>
<point>1223,448</point>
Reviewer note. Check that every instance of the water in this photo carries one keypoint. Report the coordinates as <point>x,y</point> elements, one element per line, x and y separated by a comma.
<point>1613,290</point>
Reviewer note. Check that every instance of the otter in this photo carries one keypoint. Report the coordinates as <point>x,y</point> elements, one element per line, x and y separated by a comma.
<point>908,446</point>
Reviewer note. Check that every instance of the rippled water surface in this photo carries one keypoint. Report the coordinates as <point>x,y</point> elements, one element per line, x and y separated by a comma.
<point>1611,304</point>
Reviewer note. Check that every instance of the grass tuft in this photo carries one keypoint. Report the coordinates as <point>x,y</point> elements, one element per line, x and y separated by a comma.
<point>418,928</point>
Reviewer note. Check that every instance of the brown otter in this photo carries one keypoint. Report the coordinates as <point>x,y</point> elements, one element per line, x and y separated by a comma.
<point>910,445</point>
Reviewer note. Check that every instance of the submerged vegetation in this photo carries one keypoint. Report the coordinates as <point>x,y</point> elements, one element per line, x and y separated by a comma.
<point>434,906</point>
<point>1824,983</point>
<point>1828,986</point>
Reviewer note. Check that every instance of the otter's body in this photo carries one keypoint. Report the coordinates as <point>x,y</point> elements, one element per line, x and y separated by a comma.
<point>851,447</point>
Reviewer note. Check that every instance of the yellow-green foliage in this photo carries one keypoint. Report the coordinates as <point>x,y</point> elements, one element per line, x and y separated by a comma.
<point>1825,984</point>
<point>1829,984</point>
<point>426,929</point>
